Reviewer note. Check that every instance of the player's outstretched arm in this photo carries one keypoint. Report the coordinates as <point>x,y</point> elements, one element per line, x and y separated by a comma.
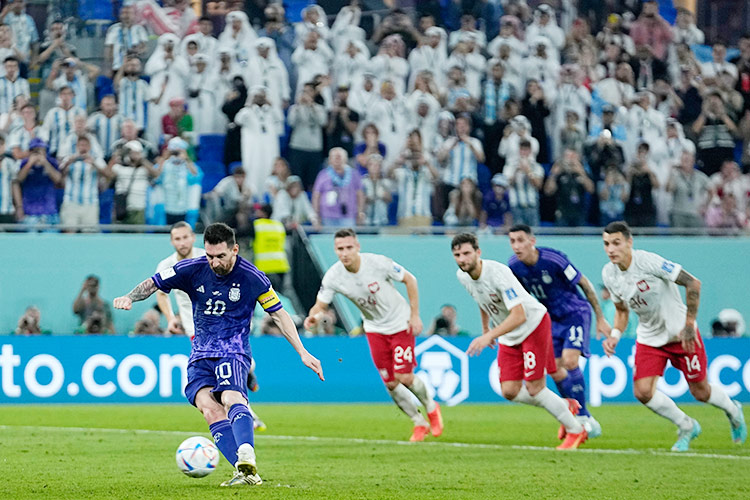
<point>314,315</point>
<point>286,325</point>
<point>412,290</point>
<point>622,314</point>
<point>143,291</point>
<point>602,325</point>
<point>692,301</point>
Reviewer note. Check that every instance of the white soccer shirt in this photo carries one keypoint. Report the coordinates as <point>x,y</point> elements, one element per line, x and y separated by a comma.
<point>383,309</point>
<point>648,288</point>
<point>497,291</point>
<point>184,305</point>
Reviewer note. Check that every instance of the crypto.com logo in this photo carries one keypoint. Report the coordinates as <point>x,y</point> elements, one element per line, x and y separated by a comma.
<point>444,369</point>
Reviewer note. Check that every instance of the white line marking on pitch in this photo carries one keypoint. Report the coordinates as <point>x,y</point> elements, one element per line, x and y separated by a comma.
<point>390,442</point>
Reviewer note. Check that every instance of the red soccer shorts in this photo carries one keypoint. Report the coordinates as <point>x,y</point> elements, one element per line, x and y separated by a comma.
<point>392,353</point>
<point>532,358</point>
<point>651,361</point>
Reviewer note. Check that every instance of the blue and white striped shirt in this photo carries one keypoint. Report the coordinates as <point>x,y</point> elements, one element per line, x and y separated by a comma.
<point>174,180</point>
<point>81,184</point>
<point>8,171</point>
<point>133,98</point>
<point>461,162</point>
<point>9,90</point>
<point>106,130</point>
<point>57,125</point>
<point>24,31</point>
<point>123,39</point>
<point>20,138</point>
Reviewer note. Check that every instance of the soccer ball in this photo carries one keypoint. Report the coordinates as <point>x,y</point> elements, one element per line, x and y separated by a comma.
<point>197,456</point>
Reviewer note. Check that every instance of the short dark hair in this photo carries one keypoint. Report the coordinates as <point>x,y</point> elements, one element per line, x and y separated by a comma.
<point>205,18</point>
<point>619,226</point>
<point>524,144</point>
<point>10,58</point>
<point>462,238</point>
<point>345,233</point>
<point>219,232</point>
<point>521,227</point>
<point>178,225</point>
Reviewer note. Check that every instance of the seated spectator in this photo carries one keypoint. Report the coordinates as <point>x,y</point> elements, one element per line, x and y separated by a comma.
<point>415,175</point>
<point>725,214</point>
<point>133,174</point>
<point>30,322</point>
<point>8,172</point>
<point>496,212</point>
<point>370,145</point>
<point>149,324</point>
<point>228,201</point>
<point>38,177</point>
<point>173,172</point>
<point>465,204</point>
<point>526,178</point>
<point>277,180</point>
<point>445,323</point>
<point>640,210</point>
<point>378,193</point>
<point>691,190</point>
<point>337,195</point>
<point>292,207</point>
<point>93,311</point>
<point>614,192</point>
<point>568,182</point>
<point>81,171</point>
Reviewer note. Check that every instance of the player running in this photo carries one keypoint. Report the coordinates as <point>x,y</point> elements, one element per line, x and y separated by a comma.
<point>521,325</point>
<point>666,330</point>
<point>182,237</point>
<point>223,288</point>
<point>553,280</point>
<point>389,322</point>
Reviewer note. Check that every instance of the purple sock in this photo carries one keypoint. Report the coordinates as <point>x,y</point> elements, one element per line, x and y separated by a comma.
<point>242,424</point>
<point>576,387</point>
<point>224,439</point>
<point>561,388</point>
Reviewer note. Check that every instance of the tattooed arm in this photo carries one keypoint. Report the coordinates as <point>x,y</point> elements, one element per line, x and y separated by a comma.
<point>602,326</point>
<point>141,292</point>
<point>692,300</point>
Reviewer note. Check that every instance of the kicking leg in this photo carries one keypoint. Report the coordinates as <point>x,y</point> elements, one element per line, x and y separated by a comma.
<point>220,428</point>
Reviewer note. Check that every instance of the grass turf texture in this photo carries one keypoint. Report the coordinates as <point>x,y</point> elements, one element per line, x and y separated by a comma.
<point>358,456</point>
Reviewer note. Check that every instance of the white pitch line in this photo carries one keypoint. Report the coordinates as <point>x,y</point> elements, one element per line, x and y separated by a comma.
<point>391,442</point>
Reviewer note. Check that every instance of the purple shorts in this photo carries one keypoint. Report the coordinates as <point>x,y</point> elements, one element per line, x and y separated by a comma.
<point>221,374</point>
<point>573,333</point>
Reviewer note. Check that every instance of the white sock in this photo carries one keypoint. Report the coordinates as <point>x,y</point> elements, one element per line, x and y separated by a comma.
<point>558,408</point>
<point>524,397</point>
<point>420,391</point>
<point>719,399</point>
<point>661,404</point>
<point>402,397</point>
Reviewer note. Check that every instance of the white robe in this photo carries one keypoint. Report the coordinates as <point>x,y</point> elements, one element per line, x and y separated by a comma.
<point>261,127</point>
<point>392,120</point>
<point>310,63</point>
<point>395,69</point>
<point>206,107</point>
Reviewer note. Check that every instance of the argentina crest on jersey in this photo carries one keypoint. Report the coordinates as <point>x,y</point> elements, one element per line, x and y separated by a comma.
<point>546,278</point>
<point>234,292</point>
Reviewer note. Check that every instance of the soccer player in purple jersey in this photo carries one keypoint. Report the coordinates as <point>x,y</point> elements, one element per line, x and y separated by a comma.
<point>223,288</point>
<point>550,277</point>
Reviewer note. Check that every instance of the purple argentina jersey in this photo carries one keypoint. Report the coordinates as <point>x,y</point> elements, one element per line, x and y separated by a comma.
<point>222,305</point>
<point>553,281</point>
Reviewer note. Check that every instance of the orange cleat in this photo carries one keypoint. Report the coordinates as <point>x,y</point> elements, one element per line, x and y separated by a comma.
<point>574,407</point>
<point>436,421</point>
<point>419,433</point>
<point>573,441</point>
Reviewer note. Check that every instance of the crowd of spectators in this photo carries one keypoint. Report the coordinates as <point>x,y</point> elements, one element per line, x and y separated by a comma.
<point>472,113</point>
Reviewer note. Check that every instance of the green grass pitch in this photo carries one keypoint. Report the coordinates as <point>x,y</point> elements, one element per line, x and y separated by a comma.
<point>358,452</point>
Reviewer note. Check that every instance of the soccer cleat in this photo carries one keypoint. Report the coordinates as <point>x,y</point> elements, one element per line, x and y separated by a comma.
<point>593,428</point>
<point>684,437</point>
<point>419,433</point>
<point>246,460</point>
<point>240,479</point>
<point>739,432</point>
<point>573,441</point>
<point>574,407</point>
<point>259,425</point>
<point>436,421</point>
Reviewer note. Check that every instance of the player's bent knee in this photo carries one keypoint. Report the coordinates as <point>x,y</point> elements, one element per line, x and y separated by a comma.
<point>643,394</point>
<point>700,391</point>
<point>392,384</point>
<point>510,393</point>
<point>231,398</point>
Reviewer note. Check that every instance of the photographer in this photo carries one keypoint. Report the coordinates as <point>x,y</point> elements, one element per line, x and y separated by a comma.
<point>307,119</point>
<point>134,174</point>
<point>415,175</point>
<point>640,210</point>
<point>81,171</point>
<point>715,131</point>
<point>173,175</point>
<point>93,311</point>
<point>614,191</point>
<point>73,73</point>
<point>652,29</point>
<point>342,122</point>
<point>132,91</point>
<point>569,183</point>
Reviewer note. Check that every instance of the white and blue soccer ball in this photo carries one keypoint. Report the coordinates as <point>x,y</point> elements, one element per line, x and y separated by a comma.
<point>197,456</point>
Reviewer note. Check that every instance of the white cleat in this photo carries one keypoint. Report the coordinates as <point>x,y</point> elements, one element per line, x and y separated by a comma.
<point>593,428</point>
<point>246,460</point>
<point>240,479</point>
